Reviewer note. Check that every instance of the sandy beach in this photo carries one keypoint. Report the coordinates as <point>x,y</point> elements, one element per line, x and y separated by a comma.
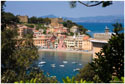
<point>72,51</point>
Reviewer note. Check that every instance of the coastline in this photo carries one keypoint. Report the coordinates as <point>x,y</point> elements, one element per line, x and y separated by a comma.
<point>72,51</point>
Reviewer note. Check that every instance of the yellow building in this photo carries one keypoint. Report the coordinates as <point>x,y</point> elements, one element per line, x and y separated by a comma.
<point>80,42</point>
<point>86,45</point>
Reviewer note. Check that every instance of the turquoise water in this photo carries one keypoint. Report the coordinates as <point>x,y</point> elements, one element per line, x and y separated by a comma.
<point>97,27</point>
<point>57,58</point>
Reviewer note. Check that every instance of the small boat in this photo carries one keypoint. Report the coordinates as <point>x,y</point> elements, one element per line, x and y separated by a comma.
<point>53,65</point>
<point>74,62</point>
<point>80,64</point>
<point>77,69</point>
<point>65,62</point>
<point>53,76</point>
<point>40,65</point>
<point>88,31</point>
<point>61,65</point>
<point>42,62</point>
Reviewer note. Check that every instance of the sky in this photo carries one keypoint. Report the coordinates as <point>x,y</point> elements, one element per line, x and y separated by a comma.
<point>61,9</point>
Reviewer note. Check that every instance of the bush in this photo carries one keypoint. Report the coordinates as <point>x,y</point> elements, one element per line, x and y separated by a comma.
<point>86,73</point>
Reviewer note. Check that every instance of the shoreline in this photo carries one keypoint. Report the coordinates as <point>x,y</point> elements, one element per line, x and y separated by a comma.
<point>72,51</point>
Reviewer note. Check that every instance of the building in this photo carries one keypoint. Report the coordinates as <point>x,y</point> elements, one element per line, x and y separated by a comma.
<point>99,40</point>
<point>55,22</point>
<point>41,42</point>
<point>37,33</point>
<point>24,30</point>
<point>80,42</point>
<point>87,44</point>
<point>44,41</point>
<point>60,29</point>
<point>23,19</point>
<point>74,29</point>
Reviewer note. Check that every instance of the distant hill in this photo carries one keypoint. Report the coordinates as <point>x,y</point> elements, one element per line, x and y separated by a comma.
<point>49,16</point>
<point>96,19</point>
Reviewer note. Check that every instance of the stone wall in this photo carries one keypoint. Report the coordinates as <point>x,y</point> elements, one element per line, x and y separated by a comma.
<point>23,19</point>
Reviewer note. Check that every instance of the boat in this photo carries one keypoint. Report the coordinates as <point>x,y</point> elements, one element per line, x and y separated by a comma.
<point>53,76</point>
<point>65,62</point>
<point>74,62</point>
<point>61,65</point>
<point>53,65</point>
<point>40,65</point>
<point>77,69</point>
<point>88,31</point>
<point>42,62</point>
<point>80,64</point>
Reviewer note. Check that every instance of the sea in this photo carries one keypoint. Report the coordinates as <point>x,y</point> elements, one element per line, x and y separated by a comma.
<point>62,64</point>
<point>97,27</point>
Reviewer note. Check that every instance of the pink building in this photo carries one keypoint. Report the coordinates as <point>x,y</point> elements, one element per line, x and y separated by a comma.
<point>23,30</point>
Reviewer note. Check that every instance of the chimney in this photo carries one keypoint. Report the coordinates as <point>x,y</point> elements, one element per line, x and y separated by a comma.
<point>106,30</point>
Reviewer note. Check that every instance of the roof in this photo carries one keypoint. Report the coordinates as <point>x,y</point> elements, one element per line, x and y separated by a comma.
<point>99,41</point>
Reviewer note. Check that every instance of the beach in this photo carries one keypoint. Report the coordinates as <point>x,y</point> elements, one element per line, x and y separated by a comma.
<point>72,51</point>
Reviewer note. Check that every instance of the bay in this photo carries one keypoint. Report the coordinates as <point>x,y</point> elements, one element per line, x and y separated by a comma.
<point>65,63</point>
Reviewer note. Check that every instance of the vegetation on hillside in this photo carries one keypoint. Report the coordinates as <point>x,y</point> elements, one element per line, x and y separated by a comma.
<point>69,24</point>
<point>17,57</point>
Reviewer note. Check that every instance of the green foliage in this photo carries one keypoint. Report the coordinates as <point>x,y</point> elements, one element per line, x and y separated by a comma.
<point>47,21</point>
<point>44,32</point>
<point>33,20</point>
<point>68,24</point>
<point>117,80</point>
<point>40,26</point>
<point>72,80</point>
<point>17,55</point>
<point>111,58</point>
<point>87,73</point>
<point>36,20</point>
<point>8,19</point>
<point>30,25</point>
<point>71,33</point>
<point>82,29</point>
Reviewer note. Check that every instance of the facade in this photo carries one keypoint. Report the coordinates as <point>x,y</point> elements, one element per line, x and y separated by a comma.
<point>44,41</point>
<point>74,29</point>
<point>80,42</point>
<point>55,22</point>
<point>40,42</point>
<point>99,40</point>
<point>24,30</point>
<point>23,19</point>
<point>86,44</point>
<point>59,29</point>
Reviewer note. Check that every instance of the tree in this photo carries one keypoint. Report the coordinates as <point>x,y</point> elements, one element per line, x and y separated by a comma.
<point>82,29</point>
<point>110,60</point>
<point>72,80</point>
<point>91,3</point>
<point>87,73</point>
<point>33,20</point>
<point>17,55</point>
<point>47,21</point>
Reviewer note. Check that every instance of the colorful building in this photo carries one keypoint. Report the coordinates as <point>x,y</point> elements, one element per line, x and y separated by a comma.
<point>24,30</point>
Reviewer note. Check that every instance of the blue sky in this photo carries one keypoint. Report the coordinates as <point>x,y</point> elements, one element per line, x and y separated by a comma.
<point>61,9</point>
